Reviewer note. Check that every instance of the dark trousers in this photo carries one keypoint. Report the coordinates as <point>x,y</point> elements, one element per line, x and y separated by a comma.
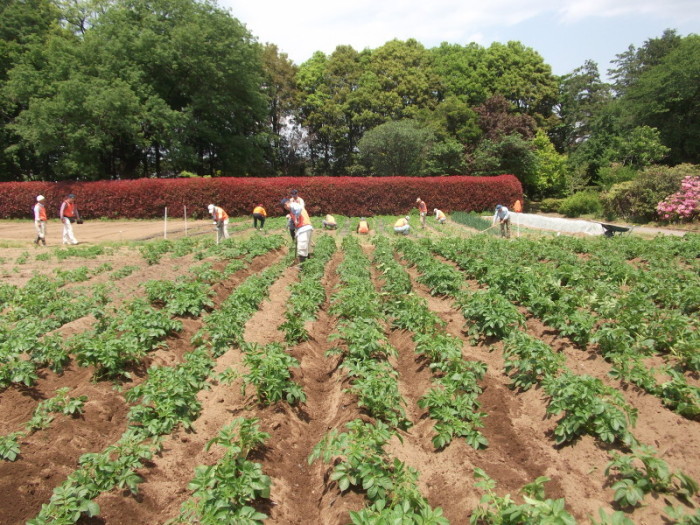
<point>258,217</point>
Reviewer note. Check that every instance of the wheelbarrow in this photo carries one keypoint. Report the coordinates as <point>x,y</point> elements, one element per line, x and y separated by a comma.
<point>609,230</point>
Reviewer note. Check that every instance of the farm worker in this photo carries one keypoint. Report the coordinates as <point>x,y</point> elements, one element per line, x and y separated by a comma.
<point>68,215</point>
<point>302,228</point>
<point>296,200</point>
<point>439,216</point>
<point>502,215</point>
<point>329,222</point>
<point>517,207</point>
<point>402,226</point>
<point>259,214</point>
<point>220,218</point>
<point>40,220</point>
<point>363,226</point>
<point>423,209</point>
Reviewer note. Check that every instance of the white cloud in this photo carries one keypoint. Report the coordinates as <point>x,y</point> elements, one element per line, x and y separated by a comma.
<point>302,27</point>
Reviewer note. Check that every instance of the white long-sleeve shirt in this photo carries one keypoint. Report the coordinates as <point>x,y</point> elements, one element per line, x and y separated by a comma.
<point>501,214</point>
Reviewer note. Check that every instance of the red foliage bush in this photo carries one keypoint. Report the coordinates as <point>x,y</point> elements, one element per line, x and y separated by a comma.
<point>351,196</point>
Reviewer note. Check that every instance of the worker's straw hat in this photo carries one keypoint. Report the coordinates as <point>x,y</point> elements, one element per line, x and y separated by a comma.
<point>40,197</point>
<point>210,207</point>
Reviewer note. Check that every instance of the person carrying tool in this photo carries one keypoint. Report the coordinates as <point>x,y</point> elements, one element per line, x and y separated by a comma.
<point>220,218</point>
<point>40,220</point>
<point>259,215</point>
<point>439,216</point>
<point>423,210</point>
<point>302,228</point>
<point>502,216</point>
<point>68,215</point>
<point>401,226</point>
<point>363,226</point>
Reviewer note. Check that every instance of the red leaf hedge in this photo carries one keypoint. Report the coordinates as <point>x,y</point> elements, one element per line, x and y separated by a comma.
<point>352,196</point>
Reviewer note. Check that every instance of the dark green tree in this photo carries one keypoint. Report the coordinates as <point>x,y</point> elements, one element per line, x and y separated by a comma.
<point>396,148</point>
<point>582,95</point>
<point>666,96</point>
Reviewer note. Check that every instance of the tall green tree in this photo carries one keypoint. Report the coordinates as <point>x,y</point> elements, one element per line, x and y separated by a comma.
<point>279,86</point>
<point>582,95</point>
<point>25,25</point>
<point>520,74</point>
<point>631,64</point>
<point>666,97</point>
<point>151,87</point>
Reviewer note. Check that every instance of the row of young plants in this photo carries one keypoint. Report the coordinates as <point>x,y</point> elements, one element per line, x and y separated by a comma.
<point>42,417</point>
<point>453,399</point>
<point>43,305</point>
<point>29,316</point>
<point>593,408</point>
<point>598,297</point>
<point>358,455</point>
<point>365,349</point>
<point>165,400</point>
<point>588,406</point>
<point>308,293</point>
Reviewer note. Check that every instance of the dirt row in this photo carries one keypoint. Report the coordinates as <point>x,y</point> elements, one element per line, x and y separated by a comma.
<point>521,445</point>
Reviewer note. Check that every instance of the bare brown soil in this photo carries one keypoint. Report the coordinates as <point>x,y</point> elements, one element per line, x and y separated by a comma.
<point>521,444</point>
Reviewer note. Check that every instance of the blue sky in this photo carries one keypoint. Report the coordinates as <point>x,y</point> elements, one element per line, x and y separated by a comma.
<point>565,33</point>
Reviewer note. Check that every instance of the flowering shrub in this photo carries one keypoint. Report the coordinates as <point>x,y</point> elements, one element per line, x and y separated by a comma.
<point>352,196</point>
<point>683,205</point>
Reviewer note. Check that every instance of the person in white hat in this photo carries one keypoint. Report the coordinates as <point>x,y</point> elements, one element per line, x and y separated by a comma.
<point>220,218</point>
<point>40,220</point>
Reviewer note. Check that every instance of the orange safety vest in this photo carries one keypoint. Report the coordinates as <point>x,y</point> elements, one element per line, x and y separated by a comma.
<point>260,211</point>
<point>422,207</point>
<point>220,214</point>
<point>517,207</point>
<point>363,227</point>
<point>42,212</point>
<point>68,209</point>
<point>302,219</point>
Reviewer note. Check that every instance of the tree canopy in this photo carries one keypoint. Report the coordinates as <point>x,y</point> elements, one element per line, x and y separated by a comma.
<point>100,89</point>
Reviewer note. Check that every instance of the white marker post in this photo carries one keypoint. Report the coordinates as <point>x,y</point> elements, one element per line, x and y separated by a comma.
<point>165,224</point>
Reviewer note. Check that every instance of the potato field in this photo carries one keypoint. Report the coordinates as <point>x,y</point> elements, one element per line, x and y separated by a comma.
<point>447,376</point>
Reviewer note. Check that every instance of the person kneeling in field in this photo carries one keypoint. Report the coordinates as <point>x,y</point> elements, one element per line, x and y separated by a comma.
<point>402,226</point>
<point>363,226</point>
<point>329,222</point>
<point>439,216</point>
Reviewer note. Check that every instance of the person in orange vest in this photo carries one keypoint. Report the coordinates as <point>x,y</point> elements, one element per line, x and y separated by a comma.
<point>402,226</point>
<point>302,228</point>
<point>68,215</point>
<point>439,216</point>
<point>259,215</point>
<point>40,220</point>
<point>220,218</point>
<point>363,226</point>
<point>423,209</point>
<point>517,207</point>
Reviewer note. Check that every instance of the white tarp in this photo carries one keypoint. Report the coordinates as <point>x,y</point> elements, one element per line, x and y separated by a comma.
<point>530,220</point>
